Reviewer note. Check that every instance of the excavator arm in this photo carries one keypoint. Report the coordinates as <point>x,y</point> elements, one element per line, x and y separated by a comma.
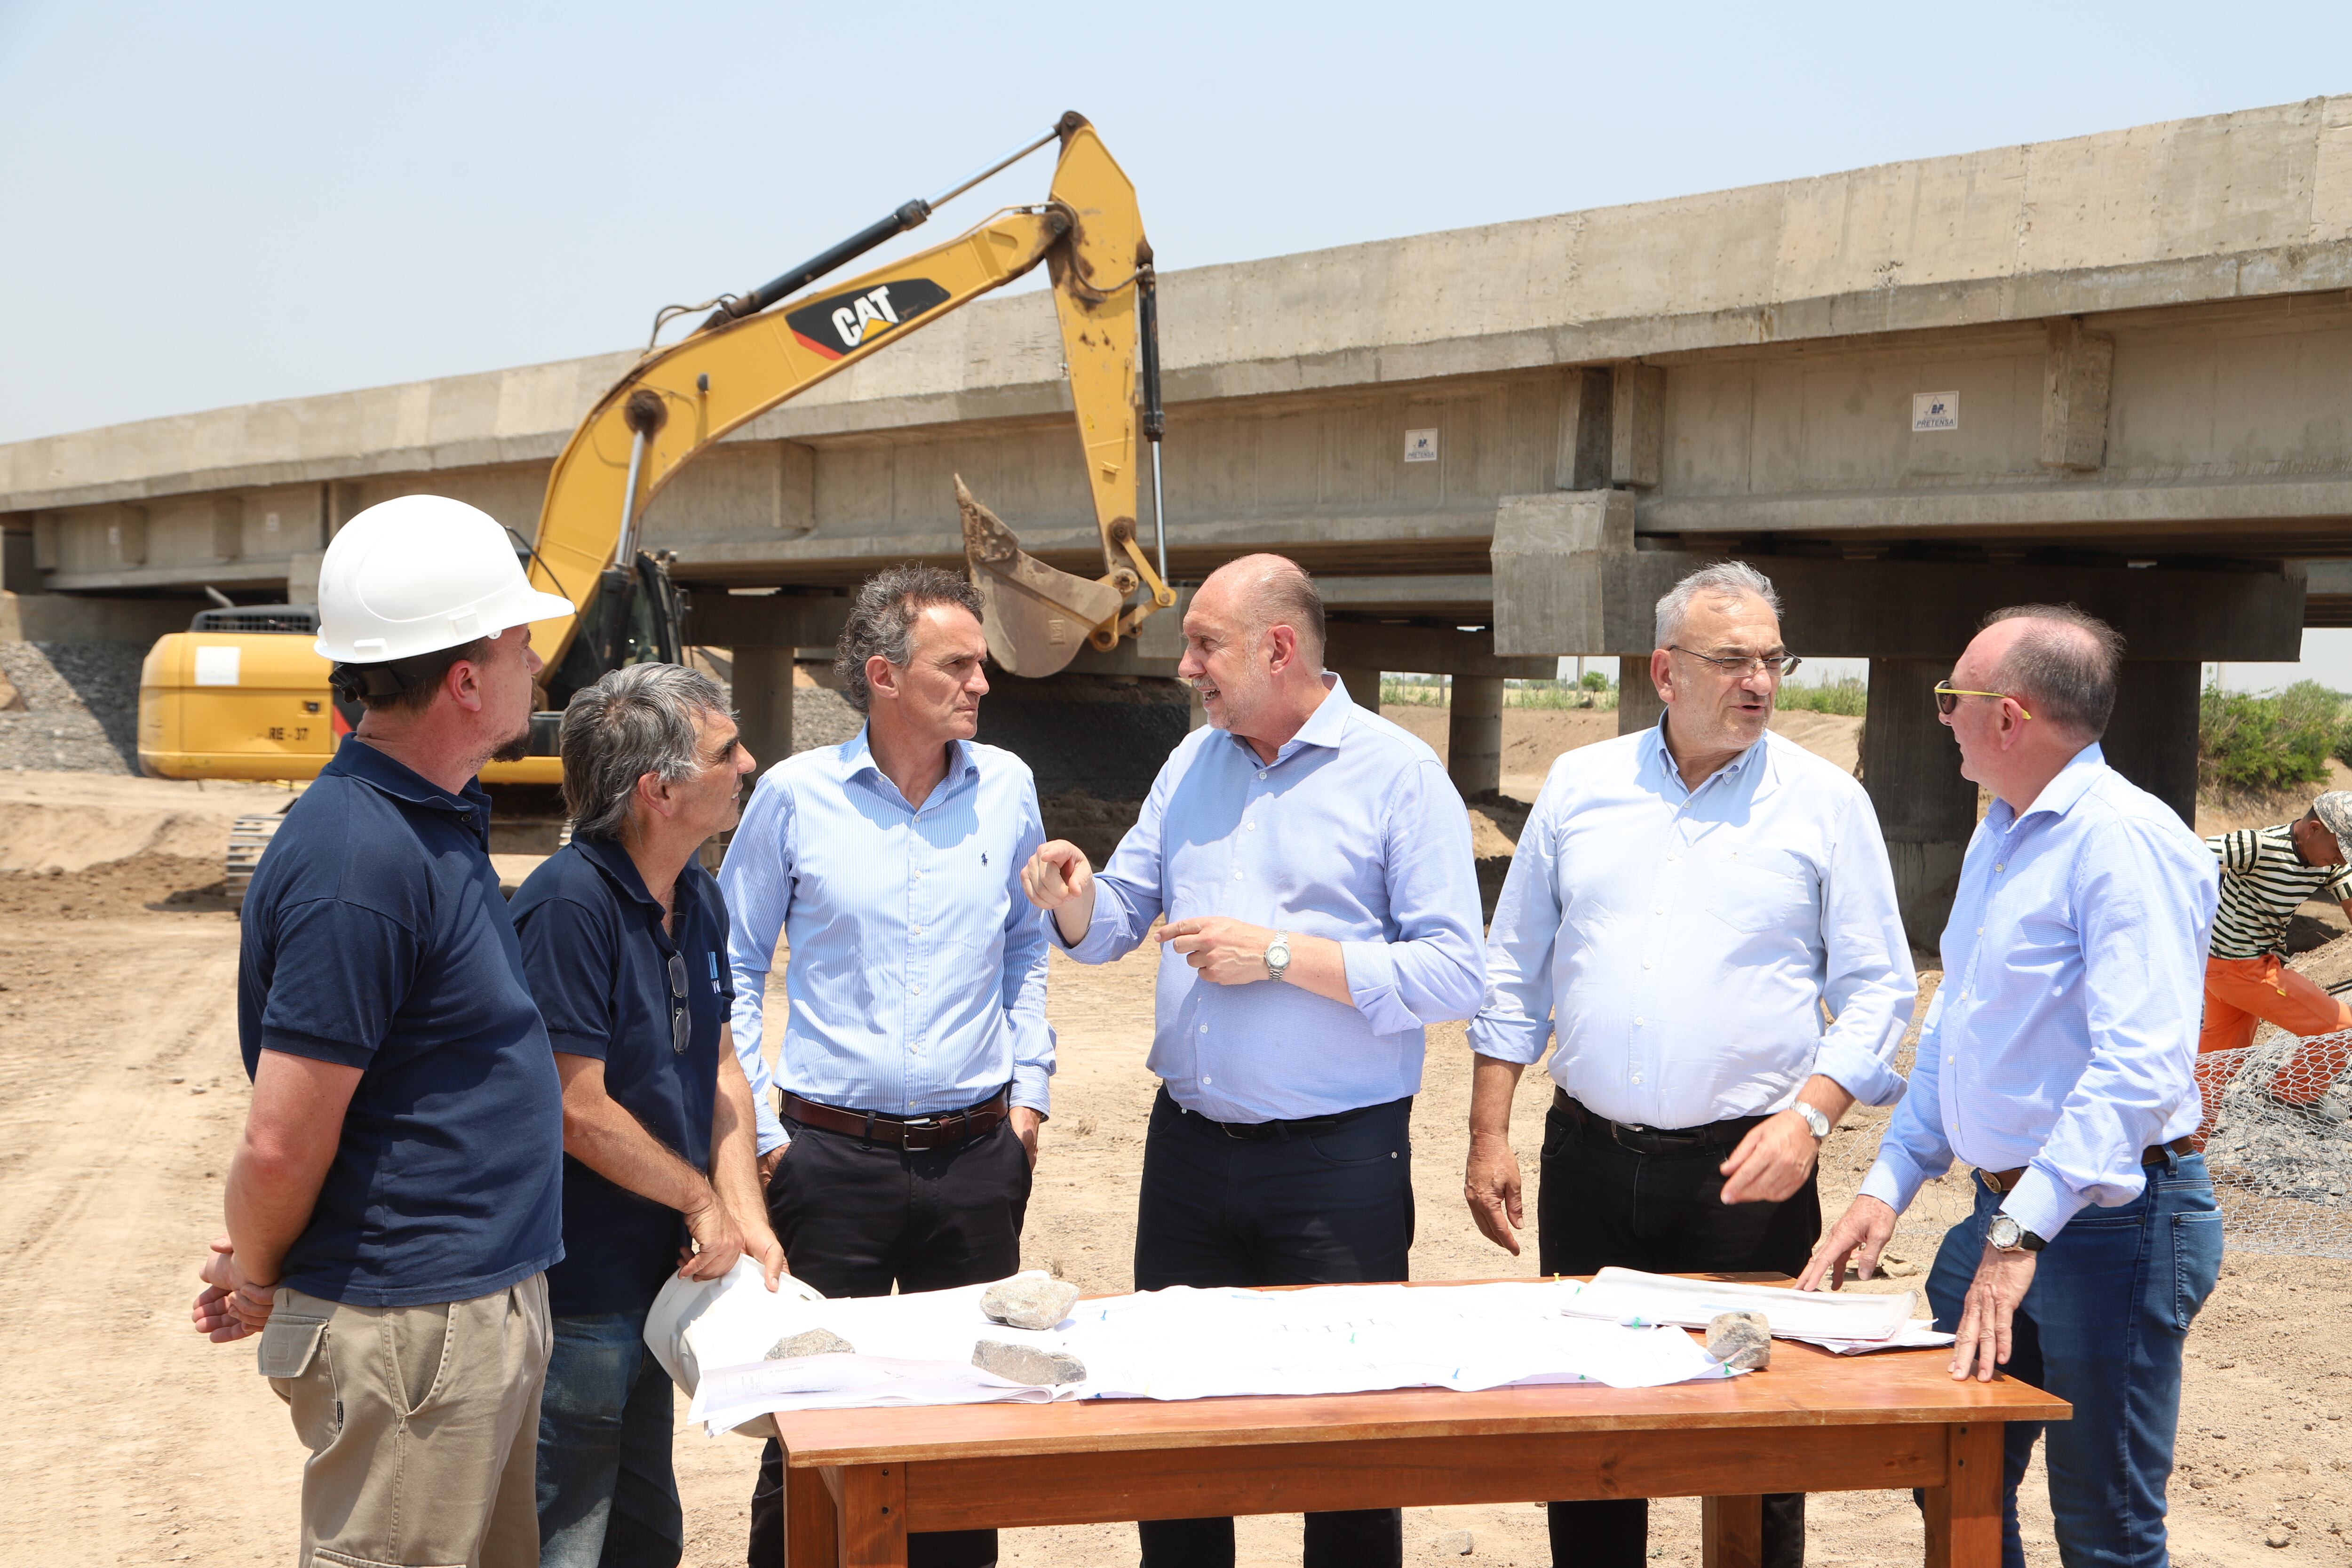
<point>678,401</point>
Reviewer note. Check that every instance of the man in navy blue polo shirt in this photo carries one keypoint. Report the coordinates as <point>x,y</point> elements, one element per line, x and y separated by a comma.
<point>392,1204</point>
<point>623,937</point>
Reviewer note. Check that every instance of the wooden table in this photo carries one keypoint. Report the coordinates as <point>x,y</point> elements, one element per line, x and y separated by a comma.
<point>858,1480</point>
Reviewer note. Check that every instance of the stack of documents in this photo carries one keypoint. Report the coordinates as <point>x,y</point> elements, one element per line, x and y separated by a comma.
<point>1180,1344</point>
<point>1845,1324</point>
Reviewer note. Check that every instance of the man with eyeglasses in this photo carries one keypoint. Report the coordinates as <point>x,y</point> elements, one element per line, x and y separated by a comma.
<point>1684,905</point>
<point>624,940</point>
<point>2058,1059</point>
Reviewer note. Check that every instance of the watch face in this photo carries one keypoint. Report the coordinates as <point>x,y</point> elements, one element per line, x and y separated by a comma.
<point>2003,1233</point>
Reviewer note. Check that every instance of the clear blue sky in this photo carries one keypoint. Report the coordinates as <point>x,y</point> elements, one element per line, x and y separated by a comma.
<point>215,205</point>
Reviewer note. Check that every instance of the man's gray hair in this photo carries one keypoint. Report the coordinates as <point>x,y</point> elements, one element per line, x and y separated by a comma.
<point>1724,579</point>
<point>2065,665</point>
<point>882,621</point>
<point>637,719</point>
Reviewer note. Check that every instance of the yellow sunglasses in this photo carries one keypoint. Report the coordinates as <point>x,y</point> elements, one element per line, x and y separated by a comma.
<point>1948,697</point>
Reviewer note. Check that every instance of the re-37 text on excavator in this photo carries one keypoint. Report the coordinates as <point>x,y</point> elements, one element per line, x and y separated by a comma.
<point>839,322</point>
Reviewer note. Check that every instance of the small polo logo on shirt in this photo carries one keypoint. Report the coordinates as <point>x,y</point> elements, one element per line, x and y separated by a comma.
<point>713,956</point>
<point>983,857</point>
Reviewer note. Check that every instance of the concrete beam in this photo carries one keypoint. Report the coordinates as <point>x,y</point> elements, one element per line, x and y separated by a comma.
<point>2131,515</point>
<point>1637,426</point>
<point>1570,602</point>
<point>2076,383</point>
<point>68,617</point>
<point>1436,650</point>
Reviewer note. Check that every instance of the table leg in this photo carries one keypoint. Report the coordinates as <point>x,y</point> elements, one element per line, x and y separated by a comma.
<point>1732,1532</point>
<point>873,1516</point>
<point>1964,1513</point>
<point>810,1536</point>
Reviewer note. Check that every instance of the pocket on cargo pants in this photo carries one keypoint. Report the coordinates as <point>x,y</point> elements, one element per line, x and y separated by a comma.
<point>295,1355</point>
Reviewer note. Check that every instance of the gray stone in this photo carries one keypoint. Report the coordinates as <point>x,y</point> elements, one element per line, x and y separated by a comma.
<point>1456,1543</point>
<point>1740,1340</point>
<point>1027,1363</point>
<point>810,1341</point>
<point>1029,1302</point>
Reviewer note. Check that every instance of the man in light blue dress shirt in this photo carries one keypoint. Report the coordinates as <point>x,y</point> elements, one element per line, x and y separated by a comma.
<point>913,1065</point>
<point>2058,1059</point>
<point>1684,905</point>
<point>1312,862</point>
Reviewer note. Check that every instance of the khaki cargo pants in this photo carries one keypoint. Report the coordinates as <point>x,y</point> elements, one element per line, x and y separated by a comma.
<point>422,1427</point>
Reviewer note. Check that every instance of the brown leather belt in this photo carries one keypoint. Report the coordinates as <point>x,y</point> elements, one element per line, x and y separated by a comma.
<point>944,1131</point>
<point>2154,1155</point>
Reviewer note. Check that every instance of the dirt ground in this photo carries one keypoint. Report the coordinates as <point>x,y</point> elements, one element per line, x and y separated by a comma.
<point>131,1441</point>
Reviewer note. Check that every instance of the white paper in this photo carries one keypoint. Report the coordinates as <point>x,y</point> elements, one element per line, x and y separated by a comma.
<point>1179,1343</point>
<point>1920,1333</point>
<point>1630,1296</point>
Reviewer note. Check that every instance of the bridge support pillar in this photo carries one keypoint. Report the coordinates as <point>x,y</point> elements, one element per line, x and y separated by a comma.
<point>1925,809</point>
<point>1638,704</point>
<point>1474,735</point>
<point>1363,684</point>
<point>2152,739</point>
<point>763,703</point>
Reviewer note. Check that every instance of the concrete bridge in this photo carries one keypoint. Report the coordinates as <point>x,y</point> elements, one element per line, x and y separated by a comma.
<point>2115,369</point>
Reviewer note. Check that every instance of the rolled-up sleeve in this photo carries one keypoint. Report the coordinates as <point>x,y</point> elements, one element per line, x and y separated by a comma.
<point>1024,972</point>
<point>2142,924</point>
<point>1432,970</point>
<point>756,879</point>
<point>1129,890</point>
<point>1914,1150</point>
<point>1870,982</point>
<point>1515,1024</point>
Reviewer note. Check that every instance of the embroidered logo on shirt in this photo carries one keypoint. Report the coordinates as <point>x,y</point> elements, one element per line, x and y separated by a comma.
<point>713,956</point>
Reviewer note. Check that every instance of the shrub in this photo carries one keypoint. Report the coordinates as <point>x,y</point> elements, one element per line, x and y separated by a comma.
<point>1849,696</point>
<point>2246,742</point>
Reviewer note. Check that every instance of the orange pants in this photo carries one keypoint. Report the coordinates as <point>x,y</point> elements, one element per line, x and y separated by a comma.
<point>2242,992</point>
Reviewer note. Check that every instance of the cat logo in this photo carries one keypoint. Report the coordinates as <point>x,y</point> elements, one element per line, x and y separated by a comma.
<point>837,324</point>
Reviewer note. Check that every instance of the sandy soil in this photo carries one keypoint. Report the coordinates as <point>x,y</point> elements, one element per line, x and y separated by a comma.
<point>133,1442</point>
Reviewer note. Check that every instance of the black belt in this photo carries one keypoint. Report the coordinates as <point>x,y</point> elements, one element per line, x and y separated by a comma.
<point>944,1131</point>
<point>1260,1131</point>
<point>1655,1140</point>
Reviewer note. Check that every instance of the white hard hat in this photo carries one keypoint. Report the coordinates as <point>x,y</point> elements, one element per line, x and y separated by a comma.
<point>417,575</point>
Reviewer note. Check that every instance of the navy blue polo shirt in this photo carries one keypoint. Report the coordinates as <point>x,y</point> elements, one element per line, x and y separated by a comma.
<point>374,936</point>
<point>598,960</point>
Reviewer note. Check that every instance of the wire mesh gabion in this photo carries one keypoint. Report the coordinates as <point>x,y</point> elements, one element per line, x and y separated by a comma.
<point>2277,1135</point>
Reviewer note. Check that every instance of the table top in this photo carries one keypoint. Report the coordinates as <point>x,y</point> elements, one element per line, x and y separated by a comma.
<point>1803,1387</point>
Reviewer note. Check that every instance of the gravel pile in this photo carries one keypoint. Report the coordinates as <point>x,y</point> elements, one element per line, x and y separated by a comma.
<point>76,706</point>
<point>2284,1175</point>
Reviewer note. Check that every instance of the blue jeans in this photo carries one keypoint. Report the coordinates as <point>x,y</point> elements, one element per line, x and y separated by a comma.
<point>607,1497</point>
<point>2101,1327</point>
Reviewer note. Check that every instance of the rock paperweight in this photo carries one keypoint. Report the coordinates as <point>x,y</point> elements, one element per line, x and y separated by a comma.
<point>1029,1302</point>
<point>1740,1340</point>
<point>1027,1363</point>
<point>810,1341</point>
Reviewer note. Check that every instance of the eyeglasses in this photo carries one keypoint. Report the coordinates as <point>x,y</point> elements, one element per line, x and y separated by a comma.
<point>1948,697</point>
<point>680,1025</point>
<point>1739,667</point>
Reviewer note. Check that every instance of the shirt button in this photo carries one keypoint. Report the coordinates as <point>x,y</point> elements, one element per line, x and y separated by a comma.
<point>1999,866</point>
<point>1237,876</point>
<point>914,990</point>
<point>1637,1078</point>
<point>1206,1080</point>
<point>1251,825</point>
<point>1637,1023</point>
<point>1261,772</point>
<point>914,930</point>
<point>1204,1028</point>
<point>1645,963</point>
<point>1660,910</point>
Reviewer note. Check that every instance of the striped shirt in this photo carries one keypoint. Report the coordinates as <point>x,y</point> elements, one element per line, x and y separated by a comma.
<point>2264,881</point>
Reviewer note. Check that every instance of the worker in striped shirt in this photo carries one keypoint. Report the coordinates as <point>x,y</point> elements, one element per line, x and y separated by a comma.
<point>2266,875</point>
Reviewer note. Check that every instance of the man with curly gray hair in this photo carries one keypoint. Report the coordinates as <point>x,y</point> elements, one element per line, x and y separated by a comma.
<point>913,1062</point>
<point>623,936</point>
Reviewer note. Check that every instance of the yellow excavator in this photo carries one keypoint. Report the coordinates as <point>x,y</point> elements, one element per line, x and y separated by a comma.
<point>242,695</point>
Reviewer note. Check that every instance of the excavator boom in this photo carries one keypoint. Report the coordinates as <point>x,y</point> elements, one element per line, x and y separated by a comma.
<point>678,401</point>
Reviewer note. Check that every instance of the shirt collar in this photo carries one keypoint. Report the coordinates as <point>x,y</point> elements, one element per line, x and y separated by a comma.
<point>612,858</point>
<point>1326,727</point>
<point>2059,795</point>
<point>1654,749</point>
<point>376,768</point>
<point>857,757</point>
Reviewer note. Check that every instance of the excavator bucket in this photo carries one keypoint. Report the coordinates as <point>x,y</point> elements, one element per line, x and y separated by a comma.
<point>1036,618</point>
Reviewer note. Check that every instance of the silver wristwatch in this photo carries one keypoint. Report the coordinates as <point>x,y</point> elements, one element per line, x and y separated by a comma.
<point>1278,955</point>
<point>2006,1235</point>
<point>1814,1120</point>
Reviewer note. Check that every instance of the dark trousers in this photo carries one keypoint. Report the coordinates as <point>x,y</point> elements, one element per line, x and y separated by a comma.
<point>1332,1206</point>
<point>856,1218</point>
<point>1599,1204</point>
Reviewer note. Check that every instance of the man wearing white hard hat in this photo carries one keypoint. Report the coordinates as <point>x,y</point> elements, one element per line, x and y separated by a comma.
<point>395,1197</point>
